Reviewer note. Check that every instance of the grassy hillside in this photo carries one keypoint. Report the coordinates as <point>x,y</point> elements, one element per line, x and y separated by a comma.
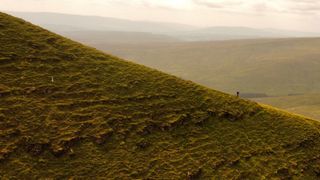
<point>271,66</point>
<point>307,104</point>
<point>69,111</point>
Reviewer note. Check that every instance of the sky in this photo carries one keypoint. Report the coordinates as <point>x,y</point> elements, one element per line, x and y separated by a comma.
<point>301,15</point>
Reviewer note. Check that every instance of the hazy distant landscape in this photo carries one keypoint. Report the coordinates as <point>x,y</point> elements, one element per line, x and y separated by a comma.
<point>95,26</point>
<point>177,89</point>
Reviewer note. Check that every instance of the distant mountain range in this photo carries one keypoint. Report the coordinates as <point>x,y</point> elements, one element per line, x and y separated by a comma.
<point>67,22</point>
<point>93,26</point>
<point>229,33</point>
<point>116,37</point>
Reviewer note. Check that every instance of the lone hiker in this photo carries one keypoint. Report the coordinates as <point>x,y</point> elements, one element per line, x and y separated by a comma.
<point>238,94</point>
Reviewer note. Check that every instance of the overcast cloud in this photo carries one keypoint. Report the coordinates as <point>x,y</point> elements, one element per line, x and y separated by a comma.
<point>285,14</point>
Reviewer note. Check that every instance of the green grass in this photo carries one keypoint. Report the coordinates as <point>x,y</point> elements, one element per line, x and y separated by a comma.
<point>307,104</point>
<point>106,117</point>
<point>271,66</point>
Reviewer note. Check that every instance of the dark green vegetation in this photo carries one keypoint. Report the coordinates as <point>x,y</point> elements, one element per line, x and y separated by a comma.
<point>307,104</point>
<point>67,110</point>
<point>270,66</point>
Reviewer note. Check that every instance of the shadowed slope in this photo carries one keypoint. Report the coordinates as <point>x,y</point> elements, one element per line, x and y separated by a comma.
<point>67,110</point>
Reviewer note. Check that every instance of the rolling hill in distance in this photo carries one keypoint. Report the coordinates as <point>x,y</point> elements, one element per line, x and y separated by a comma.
<point>90,25</point>
<point>70,111</point>
<point>233,33</point>
<point>68,22</point>
<point>116,37</point>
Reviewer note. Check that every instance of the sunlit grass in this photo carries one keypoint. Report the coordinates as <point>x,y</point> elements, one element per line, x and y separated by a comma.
<point>69,111</point>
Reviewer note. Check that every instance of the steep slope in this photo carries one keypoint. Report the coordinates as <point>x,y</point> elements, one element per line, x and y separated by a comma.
<point>69,111</point>
<point>305,104</point>
<point>271,66</point>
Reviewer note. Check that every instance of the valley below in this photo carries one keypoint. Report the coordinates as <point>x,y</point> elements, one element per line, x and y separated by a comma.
<point>307,104</point>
